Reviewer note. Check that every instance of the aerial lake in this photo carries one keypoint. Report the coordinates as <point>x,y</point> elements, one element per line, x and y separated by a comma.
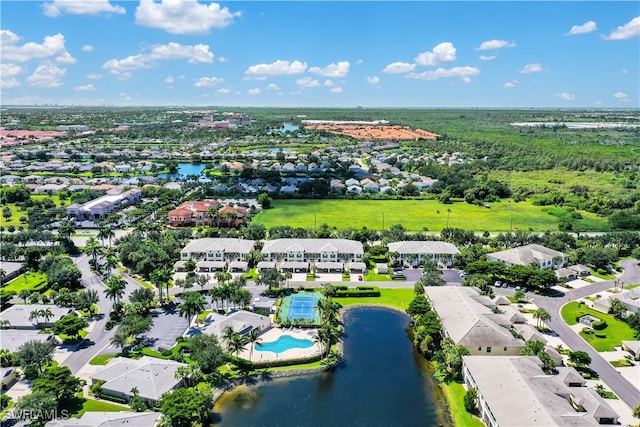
<point>382,381</point>
<point>185,169</point>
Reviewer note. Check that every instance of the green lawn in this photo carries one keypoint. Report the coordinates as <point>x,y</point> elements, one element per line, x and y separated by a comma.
<point>30,281</point>
<point>79,405</point>
<point>101,359</point>
<point>372,276</point>
<point>398,298</point>
<point>414,215</point>
<point>616,330</point>
<point>454,393</point>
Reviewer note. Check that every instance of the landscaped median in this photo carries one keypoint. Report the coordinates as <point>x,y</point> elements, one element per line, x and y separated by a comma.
<point>603,336</point>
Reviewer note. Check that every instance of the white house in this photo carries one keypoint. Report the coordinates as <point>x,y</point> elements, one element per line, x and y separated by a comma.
<point>532,254</point>
<point>415,252</point>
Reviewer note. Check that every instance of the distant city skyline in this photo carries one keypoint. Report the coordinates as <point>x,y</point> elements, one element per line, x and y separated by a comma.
<point>417,54</point>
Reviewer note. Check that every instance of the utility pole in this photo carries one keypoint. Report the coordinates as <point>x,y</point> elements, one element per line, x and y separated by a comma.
<point>315,220</point>
<point>382,221</point>
<point>448,213</point>
<point>511,223</point>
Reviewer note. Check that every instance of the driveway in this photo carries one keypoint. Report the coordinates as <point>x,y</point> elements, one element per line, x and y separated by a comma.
<point>167,326</point>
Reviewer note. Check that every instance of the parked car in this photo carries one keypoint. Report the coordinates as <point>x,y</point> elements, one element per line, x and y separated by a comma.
<point>518,288</point>
<point>497,284</point>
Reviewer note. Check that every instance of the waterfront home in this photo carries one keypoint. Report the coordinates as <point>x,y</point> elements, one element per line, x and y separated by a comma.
<point>151,376</point>
<point>20,316</point>
<point>469,320</point>
<point>241,321</point>
<point>514,391</point>
<point>109,419</point>
<point>329,255</point>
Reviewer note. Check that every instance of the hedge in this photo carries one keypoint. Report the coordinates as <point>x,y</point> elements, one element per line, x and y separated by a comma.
<point>368,291</point>
<point>600,325</point>
<point>114,398</point>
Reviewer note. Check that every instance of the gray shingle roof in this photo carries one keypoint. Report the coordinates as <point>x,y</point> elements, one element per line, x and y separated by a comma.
<point>219,244</point>
<point>526,255</point>
<point>520,394</point>
<point>423,247</point>
<point>152,376</point>
<point>313,246</point>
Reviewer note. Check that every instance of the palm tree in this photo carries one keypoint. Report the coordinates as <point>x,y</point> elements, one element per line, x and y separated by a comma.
<point>5,323</point>
<point>216,295</point>
<point>227,334</point>
<point>288,275</point>
<point>66,229</point>
<point>111,264</point>
<point>116,287</point>
<point>46,314</point>
<point>227,291</point>
<point>253,338</point>
<point>134,391</point>
<point>34,315</point>
<point>106,233</point>
<point>193,303</point>
<point>541,315</point>
<point>162,278</point>
<point>190,374</point>
<point>326,336</point>
<point>93,249</point>
<point>235,344</point>
<point>329,311</point>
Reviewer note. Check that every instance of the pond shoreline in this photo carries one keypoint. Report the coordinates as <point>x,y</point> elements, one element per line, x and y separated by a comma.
<point>440,399</point>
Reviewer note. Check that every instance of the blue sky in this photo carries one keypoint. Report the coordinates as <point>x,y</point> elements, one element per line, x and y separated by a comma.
<point>321,54</point>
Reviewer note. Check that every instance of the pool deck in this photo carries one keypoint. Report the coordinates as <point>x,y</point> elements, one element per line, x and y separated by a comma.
<point>295,353</point>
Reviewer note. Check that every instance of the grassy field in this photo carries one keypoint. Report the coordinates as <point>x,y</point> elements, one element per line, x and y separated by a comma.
<point>397,298</point>
<point>416,215</point>
<point>616,330</point>
<point>30,281</point>
<point>454,392</point>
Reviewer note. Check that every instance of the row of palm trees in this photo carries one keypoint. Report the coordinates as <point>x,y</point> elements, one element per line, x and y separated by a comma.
<point>46,314</point>
<point>330,331</point>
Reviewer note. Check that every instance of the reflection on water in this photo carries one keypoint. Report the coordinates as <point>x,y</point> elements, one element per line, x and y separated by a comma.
<point>382,382</point>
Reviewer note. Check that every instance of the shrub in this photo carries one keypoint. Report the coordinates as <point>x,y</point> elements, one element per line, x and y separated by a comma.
<point>166,352</point>
<point>599,325</point>
<point>586,330</point>
<point>96,389</point>
<point>601,335</point>
<point>114,398</point>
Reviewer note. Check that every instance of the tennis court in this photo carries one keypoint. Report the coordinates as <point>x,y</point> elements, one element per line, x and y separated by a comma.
<point>301,306</point>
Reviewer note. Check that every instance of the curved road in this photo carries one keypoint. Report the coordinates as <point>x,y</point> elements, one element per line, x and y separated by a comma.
<point>618,384</point>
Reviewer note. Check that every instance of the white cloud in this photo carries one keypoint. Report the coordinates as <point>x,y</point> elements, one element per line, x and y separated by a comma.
<point>86,88</point>
<point>566,96</point>
<point>87,48</point>
<point>511,84</point>
<point>272,86</point>
<point>495,44</point>
<point>51,48</point>
<point>80,7</point>
<point>9,83</point>
<point>194,54</point>
<point>398,68</point>
<point>47,75</point>
<point>442,53</point>
<point>531,68</point>
<point>464,72</point>
<point>625,71</point>
<point>487,57</point>
<point>255,91</point>
<point>374,80</point>
<point>277,68</point>
<point>169,80</point>
<point>94,76</point>
<point>627,31</point>
<point>223,91</point>
<point>359,61</point>
<point>223,59</point>
<point>329,83</point>
<point>125,97</point>
<point>587,27</point>
<point>9,70</point>
<point>336,90</point>
<point>341,69</point>
<point>620,95</point>
<point>125,76</point>
<point>307,82</point>
<point>208,81</point>
<point>183,16</point>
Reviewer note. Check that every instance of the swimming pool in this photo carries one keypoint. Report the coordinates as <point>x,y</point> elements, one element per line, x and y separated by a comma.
<point>284,343</point>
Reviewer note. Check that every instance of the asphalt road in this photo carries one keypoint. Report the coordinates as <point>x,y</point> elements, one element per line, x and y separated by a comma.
<point>98,338</point>
<point>618,384</point>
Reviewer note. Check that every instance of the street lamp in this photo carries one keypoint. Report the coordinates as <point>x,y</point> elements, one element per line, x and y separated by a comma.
<point>448,213</point>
